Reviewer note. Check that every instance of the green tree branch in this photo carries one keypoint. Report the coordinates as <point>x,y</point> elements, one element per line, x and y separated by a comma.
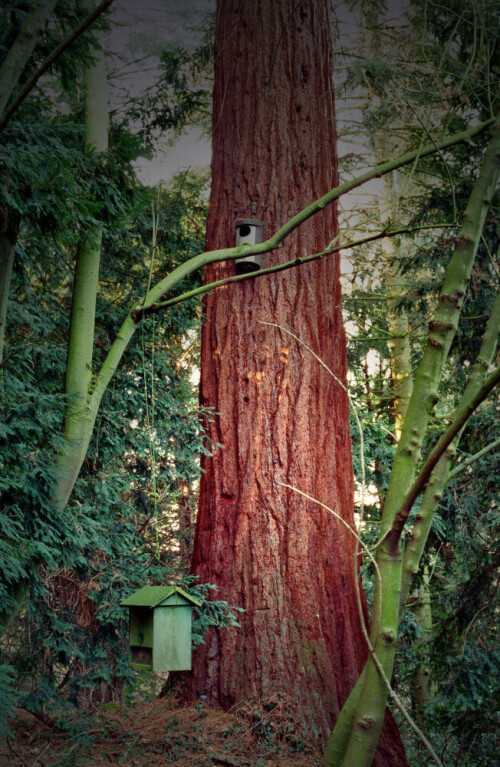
<point>462,415</point>
<point>473,458</point>
<point>141,311</point>
<point>369,716</point>
<point>433,492</point>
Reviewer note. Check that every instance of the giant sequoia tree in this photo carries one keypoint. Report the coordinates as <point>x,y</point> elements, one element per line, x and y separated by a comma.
<point>280,417</point>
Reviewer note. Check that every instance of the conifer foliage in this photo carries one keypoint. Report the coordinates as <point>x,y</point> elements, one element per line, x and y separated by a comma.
<point>65,567</point>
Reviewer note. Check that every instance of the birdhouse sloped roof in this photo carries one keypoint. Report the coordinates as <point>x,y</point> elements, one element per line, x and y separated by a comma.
<point>153,596</point>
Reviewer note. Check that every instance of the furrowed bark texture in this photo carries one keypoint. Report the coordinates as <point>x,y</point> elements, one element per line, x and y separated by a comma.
<point>279,415</point>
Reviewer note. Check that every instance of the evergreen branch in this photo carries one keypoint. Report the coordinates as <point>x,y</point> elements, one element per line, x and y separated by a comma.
<point>440,154</point>
<point>14,63</point>
<point>51,58</point>
<point>462,415</point>
<point>462,466</point>
<point>477,614</point>
<point>142,311</point>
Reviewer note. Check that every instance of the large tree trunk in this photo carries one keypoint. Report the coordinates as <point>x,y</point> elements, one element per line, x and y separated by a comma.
<point>279,415</point>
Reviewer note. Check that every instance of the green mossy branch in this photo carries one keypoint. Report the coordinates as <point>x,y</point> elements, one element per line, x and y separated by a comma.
<point>369,717</point>
<point>197,262</point>
<point>140,311</point>
<point>441,474</point>
<point>231,254</point>
<point>462,415</point>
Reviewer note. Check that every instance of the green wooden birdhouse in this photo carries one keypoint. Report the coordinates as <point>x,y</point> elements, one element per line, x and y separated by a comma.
<point>160,626</point>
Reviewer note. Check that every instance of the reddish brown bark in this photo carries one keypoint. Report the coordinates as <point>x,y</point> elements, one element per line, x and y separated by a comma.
<point>280,416</point>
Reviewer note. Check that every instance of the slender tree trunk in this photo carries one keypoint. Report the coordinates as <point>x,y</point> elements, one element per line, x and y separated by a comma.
<point>79,416</point>
<point>422,682</point>
<point>364,725</point>
<point>279,415</point>
<point>186,509</point>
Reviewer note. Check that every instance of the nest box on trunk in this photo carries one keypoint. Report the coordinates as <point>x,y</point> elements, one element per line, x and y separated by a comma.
<point>160,628</point>
<point>248,232</point>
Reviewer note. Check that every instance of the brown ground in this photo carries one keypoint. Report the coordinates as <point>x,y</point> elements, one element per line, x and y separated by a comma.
<point>254,734</point>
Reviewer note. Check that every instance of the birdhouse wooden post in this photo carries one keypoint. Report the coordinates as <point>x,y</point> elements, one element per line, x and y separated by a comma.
<point>160,628</point>
<point>248,232</point>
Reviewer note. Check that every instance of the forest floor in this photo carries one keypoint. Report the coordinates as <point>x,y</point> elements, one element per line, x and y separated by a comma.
<point>254,734</point>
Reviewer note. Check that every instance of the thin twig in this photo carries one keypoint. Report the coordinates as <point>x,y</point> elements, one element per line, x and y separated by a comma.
<point>337,516</point>
<point>462,466</point>
<point>13,752</point>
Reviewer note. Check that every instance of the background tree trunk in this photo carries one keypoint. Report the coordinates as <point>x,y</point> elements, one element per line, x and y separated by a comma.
<point>279,415</point>
<point>15,61</point>
<point>79,416</point>
<point>9,228</point>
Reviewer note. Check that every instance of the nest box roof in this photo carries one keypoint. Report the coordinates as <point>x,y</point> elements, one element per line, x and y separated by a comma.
<point>154,596</point>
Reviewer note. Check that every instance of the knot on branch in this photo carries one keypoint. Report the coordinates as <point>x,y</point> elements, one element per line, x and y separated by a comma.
<point>137,314</point>
<point>389,636</point>
<point>367,722</point>
<point>141,311</point>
